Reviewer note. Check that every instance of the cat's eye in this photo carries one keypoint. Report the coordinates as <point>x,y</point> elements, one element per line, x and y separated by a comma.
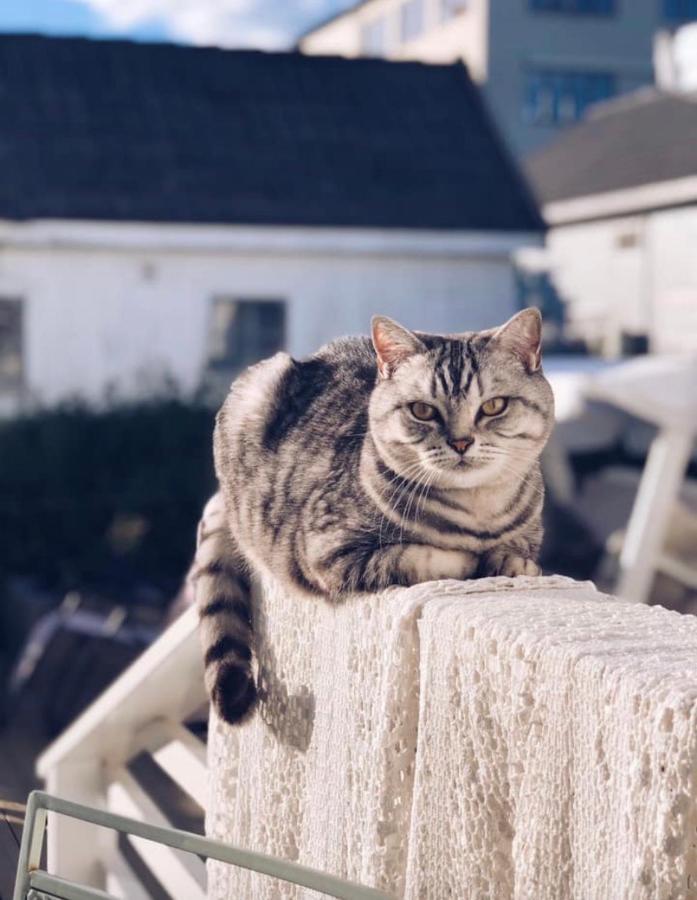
<point>422,411</point>
<point>494,406</point>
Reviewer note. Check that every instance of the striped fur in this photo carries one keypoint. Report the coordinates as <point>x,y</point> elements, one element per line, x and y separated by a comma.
<point>330,482</point>
<point>223,598</point>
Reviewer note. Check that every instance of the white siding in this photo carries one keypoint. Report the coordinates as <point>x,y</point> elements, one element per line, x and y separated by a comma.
<point>98,315</point>
<point>341,37</point>
<point>635,274</point>
<point>673,266</point>
<point>464,36</point>
<point>602,281</point>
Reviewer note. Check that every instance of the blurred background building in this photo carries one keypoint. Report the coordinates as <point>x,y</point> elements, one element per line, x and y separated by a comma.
<point>619,193</point>
<point>541,63</point>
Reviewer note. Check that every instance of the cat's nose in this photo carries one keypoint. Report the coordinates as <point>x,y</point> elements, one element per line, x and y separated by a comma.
<point>461,444</point>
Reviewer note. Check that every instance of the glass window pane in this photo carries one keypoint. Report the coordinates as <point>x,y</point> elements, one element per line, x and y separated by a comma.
<point>411,16</point>
<point>451,8</point>
<point>680,10</point>
<point>373,38</point>
<point>244,331</point>
<point>11,362</point>
<point>591,7</point>
<point>558,98</point>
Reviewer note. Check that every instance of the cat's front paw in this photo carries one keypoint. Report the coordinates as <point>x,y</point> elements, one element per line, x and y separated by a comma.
<point>509,565</point>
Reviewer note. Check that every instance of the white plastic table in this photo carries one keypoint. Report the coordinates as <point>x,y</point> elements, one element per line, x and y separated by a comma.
<point>662,391</point>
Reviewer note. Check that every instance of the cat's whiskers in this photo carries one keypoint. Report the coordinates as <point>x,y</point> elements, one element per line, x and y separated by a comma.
<point>410,501</point>
<point>424,496</point>
<point>400,491</point>
<point>413,469</point>
<point>500,457</point>
<point>524,477</point>
<point>421,492</point>
<point>411,493</point>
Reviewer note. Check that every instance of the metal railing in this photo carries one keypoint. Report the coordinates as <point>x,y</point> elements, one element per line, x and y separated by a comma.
<point>34,884</point>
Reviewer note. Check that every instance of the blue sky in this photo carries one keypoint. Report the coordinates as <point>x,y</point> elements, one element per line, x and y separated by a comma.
<point>264,23</point>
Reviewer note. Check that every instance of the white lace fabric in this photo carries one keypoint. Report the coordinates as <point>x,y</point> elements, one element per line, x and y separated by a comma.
<point>525,738</point>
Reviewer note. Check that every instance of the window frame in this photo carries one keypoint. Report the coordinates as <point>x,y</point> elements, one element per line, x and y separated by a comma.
<point>568,11</point>
<point>404,7</point>
<point>16,385</point>
<point>374,25</point>
<point>447,14</point>
<point>216,366</point>
<point>677,17</point>
<point>555,120</point>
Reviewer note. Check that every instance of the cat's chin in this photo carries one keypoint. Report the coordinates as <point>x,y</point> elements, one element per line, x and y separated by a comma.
<point>459,477</point>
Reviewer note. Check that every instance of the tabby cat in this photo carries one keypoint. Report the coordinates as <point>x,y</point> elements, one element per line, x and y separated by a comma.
<point>409,458</point>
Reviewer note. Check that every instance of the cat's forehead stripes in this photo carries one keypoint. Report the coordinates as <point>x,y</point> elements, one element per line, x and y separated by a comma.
<point>455,366</point>
<point>473,369</point>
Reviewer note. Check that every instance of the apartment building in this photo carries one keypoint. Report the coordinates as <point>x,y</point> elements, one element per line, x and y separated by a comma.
<point>619,193</point>
<point>542,62</point>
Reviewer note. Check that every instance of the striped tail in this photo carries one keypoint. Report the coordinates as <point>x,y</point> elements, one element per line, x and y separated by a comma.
<point>224,604</point>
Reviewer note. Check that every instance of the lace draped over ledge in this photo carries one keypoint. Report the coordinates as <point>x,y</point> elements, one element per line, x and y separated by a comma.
<point>526,738</point>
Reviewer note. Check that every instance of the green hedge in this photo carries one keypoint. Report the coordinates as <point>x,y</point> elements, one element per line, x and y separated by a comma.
<point>105,500</point>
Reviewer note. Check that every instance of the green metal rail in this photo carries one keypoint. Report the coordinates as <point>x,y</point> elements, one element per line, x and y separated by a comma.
<point>34,884</point>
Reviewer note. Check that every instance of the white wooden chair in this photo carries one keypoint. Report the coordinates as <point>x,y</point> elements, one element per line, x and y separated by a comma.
<point>33,883</point>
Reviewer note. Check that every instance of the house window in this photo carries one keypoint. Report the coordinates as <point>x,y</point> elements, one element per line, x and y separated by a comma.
<point>451,8</point>
<point>373,38</point>
<point>11,327</point>
<point>680,10</point>
<point>580,7</point>
<point>411,19</point>
<point>560,97</point>
<point>244,331</point>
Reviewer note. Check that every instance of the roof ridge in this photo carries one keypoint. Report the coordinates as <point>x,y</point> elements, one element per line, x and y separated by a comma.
<point>640,97</point>
<point>290,52</point>
<point>120,40</point>
<point>171,133</point>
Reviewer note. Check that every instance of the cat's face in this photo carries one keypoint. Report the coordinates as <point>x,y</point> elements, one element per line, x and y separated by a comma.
<point>463,410</point>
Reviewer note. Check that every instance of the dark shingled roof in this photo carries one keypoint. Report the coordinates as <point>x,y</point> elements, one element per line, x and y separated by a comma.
<point>640,139</point>
<point>115,130</point>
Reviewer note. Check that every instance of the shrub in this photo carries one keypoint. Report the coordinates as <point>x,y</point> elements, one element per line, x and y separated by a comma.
<point>105,500</point>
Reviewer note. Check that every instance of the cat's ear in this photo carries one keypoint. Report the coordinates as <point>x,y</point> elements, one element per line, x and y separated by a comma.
<point>522,335</point>
<point>393,344</point>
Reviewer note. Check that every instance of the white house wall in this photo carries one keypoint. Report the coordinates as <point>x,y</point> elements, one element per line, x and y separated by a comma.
<point>463,36</point>
<point>125,315</point>
<point>636,274</point>
<point>601,281</point>
<point>673,266</point>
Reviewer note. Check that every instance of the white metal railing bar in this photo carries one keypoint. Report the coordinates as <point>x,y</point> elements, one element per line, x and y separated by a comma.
<point>29,876</point>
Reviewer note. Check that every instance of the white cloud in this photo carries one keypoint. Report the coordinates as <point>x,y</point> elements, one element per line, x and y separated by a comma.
<point>268,24</point>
